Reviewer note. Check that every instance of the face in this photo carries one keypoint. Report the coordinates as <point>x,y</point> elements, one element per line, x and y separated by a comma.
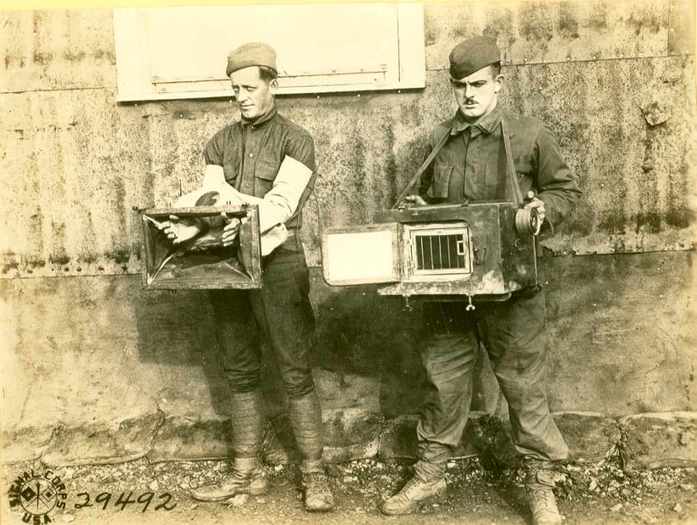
<point>254,95</point>
<point>477,93</point>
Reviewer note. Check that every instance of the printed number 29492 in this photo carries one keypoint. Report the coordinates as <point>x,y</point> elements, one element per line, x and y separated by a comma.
<point>145,499</point>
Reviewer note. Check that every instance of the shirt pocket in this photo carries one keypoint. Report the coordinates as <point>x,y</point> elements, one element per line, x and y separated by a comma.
<point>441,180</point>
<point>265,172</point>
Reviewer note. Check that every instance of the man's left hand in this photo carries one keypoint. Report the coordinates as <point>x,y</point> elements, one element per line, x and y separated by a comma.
<point>230,230</point>
<point>539,206</point>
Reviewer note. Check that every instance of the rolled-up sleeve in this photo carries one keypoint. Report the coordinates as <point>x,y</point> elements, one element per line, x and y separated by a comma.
<point>301,147</point>
<point>557,186</point>
<point>285,197</point>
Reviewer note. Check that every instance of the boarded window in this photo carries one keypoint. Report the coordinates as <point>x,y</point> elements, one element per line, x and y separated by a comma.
<point>180,52</point>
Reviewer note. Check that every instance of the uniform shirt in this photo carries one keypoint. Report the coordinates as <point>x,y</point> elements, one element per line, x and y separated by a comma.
<point>471,164</point>
<point>251,154</point>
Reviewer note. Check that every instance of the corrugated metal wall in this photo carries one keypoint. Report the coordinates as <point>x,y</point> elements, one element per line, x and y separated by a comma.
<point>615,81</point>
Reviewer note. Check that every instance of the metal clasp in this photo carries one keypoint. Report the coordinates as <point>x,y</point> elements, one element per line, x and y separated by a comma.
<point>470,306</point>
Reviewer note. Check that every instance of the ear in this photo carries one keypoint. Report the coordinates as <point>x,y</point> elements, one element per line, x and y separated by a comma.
<point>499,83</point>
<point>274,86</point>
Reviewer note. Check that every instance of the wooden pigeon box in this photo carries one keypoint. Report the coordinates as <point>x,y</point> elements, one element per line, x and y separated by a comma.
<point>203,262</point>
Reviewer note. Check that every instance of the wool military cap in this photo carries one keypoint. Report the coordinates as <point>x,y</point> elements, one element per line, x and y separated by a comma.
<point>472,55</point>
<point>251,54</point>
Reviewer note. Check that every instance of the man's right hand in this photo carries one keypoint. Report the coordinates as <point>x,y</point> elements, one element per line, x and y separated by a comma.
<point>413,200</point>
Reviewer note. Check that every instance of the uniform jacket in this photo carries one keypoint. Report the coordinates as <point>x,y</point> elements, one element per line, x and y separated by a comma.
<point>470,166</point>
<point>251,155</point>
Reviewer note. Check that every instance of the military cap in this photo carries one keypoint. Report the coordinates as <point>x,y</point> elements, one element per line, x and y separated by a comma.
<point>472,55</point>
<point>251,54</point>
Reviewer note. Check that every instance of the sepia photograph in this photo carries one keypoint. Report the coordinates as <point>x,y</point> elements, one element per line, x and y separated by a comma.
<point>284,262</point>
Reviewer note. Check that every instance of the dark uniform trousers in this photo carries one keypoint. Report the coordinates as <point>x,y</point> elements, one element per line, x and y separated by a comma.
<point>280,311</point>
<point>513,334</point>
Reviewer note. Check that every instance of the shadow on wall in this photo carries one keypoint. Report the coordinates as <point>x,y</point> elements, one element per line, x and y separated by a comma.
<point>175,329</point>
<point>358,333</point>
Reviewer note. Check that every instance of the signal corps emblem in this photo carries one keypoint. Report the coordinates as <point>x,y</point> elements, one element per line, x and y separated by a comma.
<point>36,494</point>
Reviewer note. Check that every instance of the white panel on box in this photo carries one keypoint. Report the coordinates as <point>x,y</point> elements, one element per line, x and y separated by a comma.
<point>361,255</point>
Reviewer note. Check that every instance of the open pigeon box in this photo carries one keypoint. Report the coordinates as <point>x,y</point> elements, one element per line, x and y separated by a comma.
<point>203,262</point>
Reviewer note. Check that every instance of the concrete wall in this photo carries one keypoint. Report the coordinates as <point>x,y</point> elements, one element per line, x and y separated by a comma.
<point>88,354</point>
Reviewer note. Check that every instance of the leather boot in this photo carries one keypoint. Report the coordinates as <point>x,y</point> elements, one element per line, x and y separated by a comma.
<point>245,478</point>
<point>415,492</point>
<point>539,482</point>
<point>247,430</point>
<point>306,420</point>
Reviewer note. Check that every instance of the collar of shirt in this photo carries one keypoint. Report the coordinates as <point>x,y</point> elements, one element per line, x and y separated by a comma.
<point>486,123</point>
<point>261,119</point>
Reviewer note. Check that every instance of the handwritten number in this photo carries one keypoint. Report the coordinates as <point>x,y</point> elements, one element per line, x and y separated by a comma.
<point>167,498</point>
<point>104,497</point>
<point>86,502</point>
<point>146,497</point>
<point>123,502</point>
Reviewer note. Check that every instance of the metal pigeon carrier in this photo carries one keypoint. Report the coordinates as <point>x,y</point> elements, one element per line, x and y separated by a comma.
<point>484,250</point>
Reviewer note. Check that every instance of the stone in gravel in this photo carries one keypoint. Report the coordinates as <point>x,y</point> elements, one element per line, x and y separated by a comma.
<point>237,501</point>
<point>687,486</point>
<point>657,440</point>
<point>154,486</point>
<point>677,507</point>
<point>68,518</point>
<point>616,508</point>
<point>350,479</point>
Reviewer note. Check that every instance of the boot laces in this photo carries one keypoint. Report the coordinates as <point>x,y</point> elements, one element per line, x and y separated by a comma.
<point>543,502</point>
<point>544,496</point>
<point>315,481</point>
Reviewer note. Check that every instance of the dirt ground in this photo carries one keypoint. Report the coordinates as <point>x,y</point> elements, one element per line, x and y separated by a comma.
<point>587,494</point>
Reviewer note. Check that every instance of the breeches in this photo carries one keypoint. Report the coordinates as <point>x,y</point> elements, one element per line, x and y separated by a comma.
<point>279,311</point>
<point>513,333</point>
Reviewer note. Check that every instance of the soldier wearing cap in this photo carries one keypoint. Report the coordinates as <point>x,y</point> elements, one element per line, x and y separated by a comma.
<point>268,160</point>
<point>512,331</point>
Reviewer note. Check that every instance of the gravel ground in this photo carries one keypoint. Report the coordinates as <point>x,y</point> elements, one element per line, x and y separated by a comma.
<point>588,494</point>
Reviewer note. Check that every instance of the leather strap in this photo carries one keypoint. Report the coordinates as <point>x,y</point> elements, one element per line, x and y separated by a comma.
<point>511,175</point>
<point>439,145</point>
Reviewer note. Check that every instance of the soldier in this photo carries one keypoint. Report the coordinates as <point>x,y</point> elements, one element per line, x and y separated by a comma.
<point>270,161</point>
<point>466,168</point>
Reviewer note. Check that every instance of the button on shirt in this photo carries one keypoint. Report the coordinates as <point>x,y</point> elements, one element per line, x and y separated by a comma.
<point>251,154</point>
<point>471,165</point>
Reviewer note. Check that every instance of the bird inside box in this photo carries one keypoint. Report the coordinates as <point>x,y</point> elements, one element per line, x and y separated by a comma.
<point>202,261</point>
<point>215,237</point>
